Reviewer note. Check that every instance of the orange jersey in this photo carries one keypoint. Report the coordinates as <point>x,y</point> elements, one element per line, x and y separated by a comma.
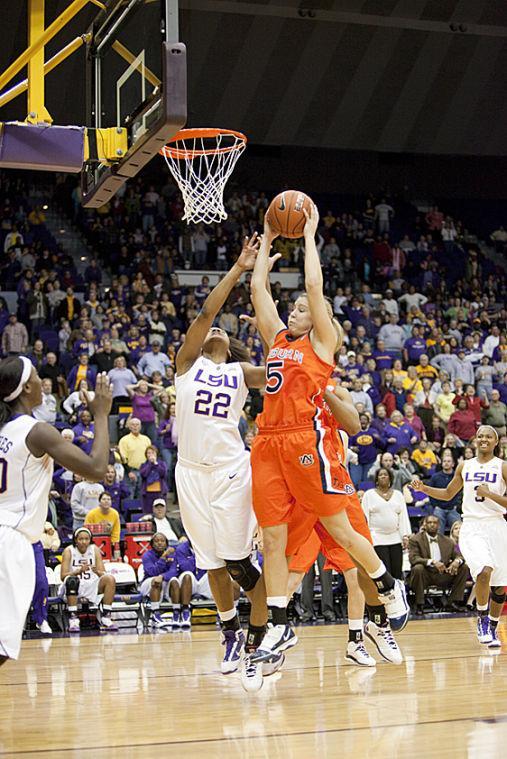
<point>296,378</point>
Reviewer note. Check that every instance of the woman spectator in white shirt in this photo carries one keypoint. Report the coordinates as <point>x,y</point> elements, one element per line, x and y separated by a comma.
<point>387,517</point>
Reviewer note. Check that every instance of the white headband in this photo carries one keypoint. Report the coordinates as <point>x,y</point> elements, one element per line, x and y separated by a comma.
<point>490,428</point>
<point>25,374</point>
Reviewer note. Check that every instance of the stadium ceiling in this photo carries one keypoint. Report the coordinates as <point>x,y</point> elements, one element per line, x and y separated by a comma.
<point>426,76</point>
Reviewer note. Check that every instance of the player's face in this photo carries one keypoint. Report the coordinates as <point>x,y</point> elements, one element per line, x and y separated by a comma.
<point>216,339</point>
<point>486,440</point>
<point>82,541</point>
<point>300,320</point>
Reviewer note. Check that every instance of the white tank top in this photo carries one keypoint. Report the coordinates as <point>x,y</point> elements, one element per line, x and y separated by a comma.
<point>78,559</point>
<point>25,481</point>
<point>474,474</point>
<point>209,401</point>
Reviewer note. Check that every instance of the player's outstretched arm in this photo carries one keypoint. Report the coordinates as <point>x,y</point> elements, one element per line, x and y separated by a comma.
<point>43,438</point>
<point>342,407</point>
<point>324,337</point>
<point>196,333</point>
<point>441,494</point>
<point>268,320</point>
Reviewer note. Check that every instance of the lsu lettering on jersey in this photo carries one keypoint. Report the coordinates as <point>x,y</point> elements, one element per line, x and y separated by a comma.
<point>209,401</point>
<point>79,559</point>
<point>25,480</point>
<point>474,474</point>
<point>296,378</point>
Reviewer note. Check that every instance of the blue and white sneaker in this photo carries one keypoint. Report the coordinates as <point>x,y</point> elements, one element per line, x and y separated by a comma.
<point>186,623</point>
<point>176,622</point>
<point>495,641</point>
<point>277,639</point>
<point>484,630</point>
<point>234,642</point>
<point>157,622</point>
<point>397,608</point>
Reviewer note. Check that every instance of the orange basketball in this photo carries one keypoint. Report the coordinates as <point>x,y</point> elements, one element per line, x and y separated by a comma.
<point>285,214</point>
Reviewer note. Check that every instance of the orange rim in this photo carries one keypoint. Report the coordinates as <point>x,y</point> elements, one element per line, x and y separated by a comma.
<point>205,133</point>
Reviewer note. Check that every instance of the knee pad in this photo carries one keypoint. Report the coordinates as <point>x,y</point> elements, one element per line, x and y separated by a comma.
<point>244,572</point>
<point>72,585</point>
<point>498,595</point>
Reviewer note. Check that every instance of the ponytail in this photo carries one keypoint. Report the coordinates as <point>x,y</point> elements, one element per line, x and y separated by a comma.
<point>11,372</point>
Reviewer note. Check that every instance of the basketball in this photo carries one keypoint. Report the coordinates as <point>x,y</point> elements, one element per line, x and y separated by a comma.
<point>285,214</point>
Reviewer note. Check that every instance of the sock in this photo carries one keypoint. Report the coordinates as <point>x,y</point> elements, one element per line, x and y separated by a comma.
<point>355,630</point>
<point>382,579</point>
<point>482,610</point>
<point>493,622</point>
<point>186,607</point>
<point>72,611</point>
<point>176,607</point>
<point>254,637</point>
<point>106,610</point>
<point>229,619</point>
<point>377,615</point>
<point>277,610</point>
<point>155,605</point>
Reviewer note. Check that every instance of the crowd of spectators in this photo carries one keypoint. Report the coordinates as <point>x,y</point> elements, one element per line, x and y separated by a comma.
<point>423,312</point>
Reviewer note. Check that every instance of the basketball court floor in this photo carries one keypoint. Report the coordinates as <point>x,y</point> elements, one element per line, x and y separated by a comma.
<point>155,695</point>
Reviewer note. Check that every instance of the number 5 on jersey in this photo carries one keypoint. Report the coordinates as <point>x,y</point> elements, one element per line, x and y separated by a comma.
<point>274,376</point>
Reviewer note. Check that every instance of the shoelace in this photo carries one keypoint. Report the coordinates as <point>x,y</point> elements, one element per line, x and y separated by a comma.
<point>250,667</point>
<point>360,647</point>
<point>388,636</point>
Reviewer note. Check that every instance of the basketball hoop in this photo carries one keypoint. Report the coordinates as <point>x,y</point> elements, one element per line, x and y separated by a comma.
<point>201,161</point>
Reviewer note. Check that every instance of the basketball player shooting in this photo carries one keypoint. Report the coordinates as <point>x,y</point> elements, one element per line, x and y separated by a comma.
<point>483,535</point>
<point>293,457</point>
<point>28,450</point>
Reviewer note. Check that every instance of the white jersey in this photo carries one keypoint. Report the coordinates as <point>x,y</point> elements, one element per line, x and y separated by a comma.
<point>25,481</point>
<point>474,474</point>
<point>77,559</point>
<point>209,401</point>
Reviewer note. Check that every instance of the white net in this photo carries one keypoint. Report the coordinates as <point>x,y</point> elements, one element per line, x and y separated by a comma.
<point>201,164</point>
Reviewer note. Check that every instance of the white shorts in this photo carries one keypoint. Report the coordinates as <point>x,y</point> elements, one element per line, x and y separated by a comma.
<point>483,543</point>
<point>200,587</point>
<point>216,511</point>
<point>145,587</point>
<point>17,585</point>
<point>88,590</point>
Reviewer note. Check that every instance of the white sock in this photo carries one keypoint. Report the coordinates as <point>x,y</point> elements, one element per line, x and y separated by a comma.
<point>378,572</point>
<point>355,624</point>
<point>494,619</point>
<point>155,605</point>
<point>176,607</point>
<point>72,609</point>
<point>226,616</point>
<point>482,607</point>
<point>280,601</point>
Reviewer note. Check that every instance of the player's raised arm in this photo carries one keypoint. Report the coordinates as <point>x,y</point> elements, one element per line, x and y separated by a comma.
<point>342,407</point>
<point>442,494</point>
<point>196,333</point>
<point>323,334</point>
<point>268,320</point>
<point>44,438</point>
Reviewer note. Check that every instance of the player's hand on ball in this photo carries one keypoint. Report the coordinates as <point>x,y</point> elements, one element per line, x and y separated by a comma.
<point>483,491</point>
<point>101,404</point>
<point>246,260</point>
<point>312,221</point>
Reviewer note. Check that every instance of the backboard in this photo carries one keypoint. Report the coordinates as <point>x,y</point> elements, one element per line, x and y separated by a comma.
<point>136,79</point>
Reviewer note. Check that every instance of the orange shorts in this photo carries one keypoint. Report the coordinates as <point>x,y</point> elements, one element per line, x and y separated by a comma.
<point>296,464</point>
<point>319,540</point>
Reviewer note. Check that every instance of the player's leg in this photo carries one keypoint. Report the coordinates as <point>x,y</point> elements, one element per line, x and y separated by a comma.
<point>41,592</point>
<point>187,585</point>
<point>71,589</point>
<point>107,588</point>
<point>195,494</point>
<point>497,601</point>
<point>175,598</point>
<point>356,652</point>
